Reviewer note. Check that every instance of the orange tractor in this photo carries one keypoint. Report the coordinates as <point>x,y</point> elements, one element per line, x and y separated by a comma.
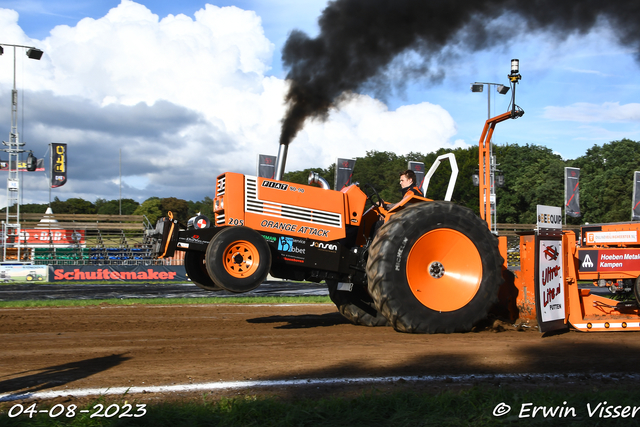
<point>421,266</point>
<point>432,266</point>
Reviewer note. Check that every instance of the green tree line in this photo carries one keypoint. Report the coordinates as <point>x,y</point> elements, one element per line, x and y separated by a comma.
<point>533,175</point>
<point>153,208</point>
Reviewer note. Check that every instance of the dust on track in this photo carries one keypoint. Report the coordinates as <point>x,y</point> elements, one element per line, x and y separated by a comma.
<point>59,349</point>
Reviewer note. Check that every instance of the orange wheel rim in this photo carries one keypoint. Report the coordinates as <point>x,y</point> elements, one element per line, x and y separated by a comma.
<point>444,270</point>
<point>241,259</point>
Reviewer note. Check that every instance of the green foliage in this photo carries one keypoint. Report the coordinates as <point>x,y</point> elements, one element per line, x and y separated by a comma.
<point>302,177</point>
<point>205,207</point>
<point>464,193</point>
<point>179,207</point>
<point>606,180</point>
<point>381,169</point>
<point>75,205</point>
<point>151,208</point>
<point>33,208</point>
<point>113,207</point>
<point>533,176</point>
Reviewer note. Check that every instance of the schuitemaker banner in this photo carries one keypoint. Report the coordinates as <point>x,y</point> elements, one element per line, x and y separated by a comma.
<point>58,164</point>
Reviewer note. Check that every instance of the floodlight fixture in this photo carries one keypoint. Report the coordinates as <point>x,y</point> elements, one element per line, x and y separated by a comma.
<point>1,50</point>
<point>502,89</point>
<point>477,87</point>
<point>34,53</point>
<point>32,162</point>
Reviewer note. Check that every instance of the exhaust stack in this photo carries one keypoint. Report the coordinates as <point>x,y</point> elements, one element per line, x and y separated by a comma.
<point>282,160</point>
<point>314,178</point>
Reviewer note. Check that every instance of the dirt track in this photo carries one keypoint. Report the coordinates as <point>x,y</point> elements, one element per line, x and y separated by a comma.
<point>107,346</point>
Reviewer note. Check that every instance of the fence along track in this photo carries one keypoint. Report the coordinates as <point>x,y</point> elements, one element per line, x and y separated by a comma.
<point>108,240</point>
<point>120,239</point>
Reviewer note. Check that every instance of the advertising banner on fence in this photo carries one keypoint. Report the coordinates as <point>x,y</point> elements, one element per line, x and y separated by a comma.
<point>22,166</point>
<point>550,280</point>
<point>33,237</point>
<point>129,273</point>
<point>58,164</point>
<point>548,217</point>
<point>344,173</point>
<point>418,168</point>
<point>266,166</point>
<point>635,207</point>
<point>624,260</point>
<point>23,273</point>
<point>572,192</point>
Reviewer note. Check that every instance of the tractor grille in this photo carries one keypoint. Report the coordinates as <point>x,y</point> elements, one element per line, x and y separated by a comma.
<point>279,210</point>
<point>220,185</point>
<point>220,188</point>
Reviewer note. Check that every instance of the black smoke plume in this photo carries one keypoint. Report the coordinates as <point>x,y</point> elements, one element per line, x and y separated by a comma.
<point>360,39</point>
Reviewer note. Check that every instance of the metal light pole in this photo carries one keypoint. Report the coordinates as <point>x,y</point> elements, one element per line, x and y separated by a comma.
<point>502,90</point>
<point>11,227</point>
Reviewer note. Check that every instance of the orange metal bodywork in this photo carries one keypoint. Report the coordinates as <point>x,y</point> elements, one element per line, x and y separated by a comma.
<point>584,311</point>
<point>290,209</point>
<point>614,250</point>
<point>627,235</point>
<point>588,312</point>
<point>525,299</point>
<point>484,162</point>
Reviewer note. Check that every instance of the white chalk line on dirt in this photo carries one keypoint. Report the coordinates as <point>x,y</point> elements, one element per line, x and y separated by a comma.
<point>230,385</point>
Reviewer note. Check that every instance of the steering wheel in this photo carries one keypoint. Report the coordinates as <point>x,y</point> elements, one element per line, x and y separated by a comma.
<point>379,203</point>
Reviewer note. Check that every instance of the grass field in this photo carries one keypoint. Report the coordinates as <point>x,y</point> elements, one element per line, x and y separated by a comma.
<point>168,301</point>
<point>470,407</point>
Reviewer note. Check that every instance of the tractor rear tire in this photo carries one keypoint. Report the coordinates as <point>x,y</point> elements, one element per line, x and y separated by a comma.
<point>197,271</point>
<point>434,268</point>
<point>356,306</point>
<point>238,259</point>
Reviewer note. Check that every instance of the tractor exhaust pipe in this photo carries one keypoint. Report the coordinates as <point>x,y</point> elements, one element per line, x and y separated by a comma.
<point>282,160</point>
<point>314,178</point>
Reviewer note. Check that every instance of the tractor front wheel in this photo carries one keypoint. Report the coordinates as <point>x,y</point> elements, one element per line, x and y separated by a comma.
<point>238,259</point>
<point>197,271</point>
<point>434,268</point>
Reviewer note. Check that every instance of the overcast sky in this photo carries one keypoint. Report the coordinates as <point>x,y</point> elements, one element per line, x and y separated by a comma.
<point>187,90</point>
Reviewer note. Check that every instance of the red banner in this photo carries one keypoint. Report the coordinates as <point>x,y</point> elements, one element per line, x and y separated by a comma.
<point>609,260</point>
<point>34,236</point>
